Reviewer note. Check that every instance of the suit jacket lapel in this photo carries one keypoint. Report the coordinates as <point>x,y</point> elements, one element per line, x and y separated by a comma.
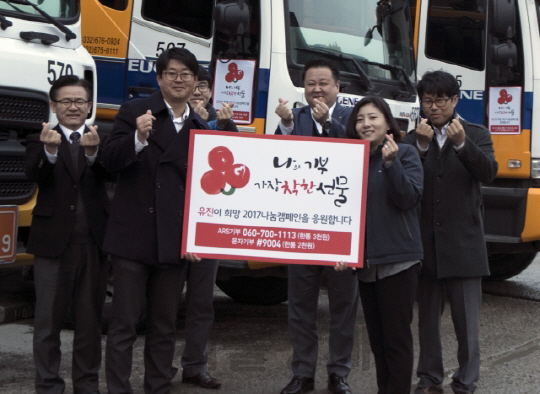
<point>339,113</point>
<point>163,130</point>
<point>179,147</point>
<point>305,121</point>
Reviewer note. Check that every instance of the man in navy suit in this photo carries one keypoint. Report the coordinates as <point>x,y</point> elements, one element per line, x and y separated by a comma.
<point>322,117</point>
<point>66,236</point>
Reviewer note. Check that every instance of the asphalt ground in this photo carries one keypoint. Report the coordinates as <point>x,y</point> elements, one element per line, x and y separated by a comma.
<point>250,352</point>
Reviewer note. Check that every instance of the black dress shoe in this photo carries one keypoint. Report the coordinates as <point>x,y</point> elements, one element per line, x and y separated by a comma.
<point>298,385</point>
<point>203,380</point>
<point>338,385</point>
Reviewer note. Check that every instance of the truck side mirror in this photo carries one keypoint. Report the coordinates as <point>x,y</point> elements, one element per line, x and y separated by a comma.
<point>503,18</point>
<point>232,18</point>
<point>504,55</point>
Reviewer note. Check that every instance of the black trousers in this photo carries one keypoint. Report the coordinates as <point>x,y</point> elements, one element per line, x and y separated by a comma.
<point>137,285</point>
<point>388,310</point>
<point>78,279</point>
<point>200,283</point>
<point>304,287</point>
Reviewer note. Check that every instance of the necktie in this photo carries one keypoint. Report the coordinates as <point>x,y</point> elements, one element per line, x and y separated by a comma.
<point>74,147</point>
<point>75,137</point>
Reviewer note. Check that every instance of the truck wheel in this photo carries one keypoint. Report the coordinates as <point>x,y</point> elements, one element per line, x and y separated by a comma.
<point>266,290</point>
<point>507,265</point>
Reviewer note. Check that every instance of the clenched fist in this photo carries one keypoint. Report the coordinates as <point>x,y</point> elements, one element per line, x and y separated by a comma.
<point>144,125</point>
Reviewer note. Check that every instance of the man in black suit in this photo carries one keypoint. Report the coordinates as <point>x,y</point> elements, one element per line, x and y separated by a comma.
<point>66,236</point>
<point>457,157</point>
<point>322,117</point>
<point>148,150</point>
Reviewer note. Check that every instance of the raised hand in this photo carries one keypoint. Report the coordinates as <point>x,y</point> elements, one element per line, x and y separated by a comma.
<point>389,149</point>
<point>225,114</point>
<point>321,112</point>
<point>144,125</point>
<point>455,132</point>
<point>201,111</point>
<point>285,113</point>
<point>50,138</point>
<point>90,141</point>
<point>424,134</point>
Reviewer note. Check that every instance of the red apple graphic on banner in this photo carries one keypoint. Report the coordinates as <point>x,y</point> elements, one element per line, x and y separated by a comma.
<point>224,172</point>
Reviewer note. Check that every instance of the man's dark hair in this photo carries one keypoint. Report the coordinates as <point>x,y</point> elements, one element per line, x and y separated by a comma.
<point>382,105</point>
<point>438,83</point>
<point>321,63</point>
<point>70,80</point>
<point>180,54</point>
<point>204,75</point>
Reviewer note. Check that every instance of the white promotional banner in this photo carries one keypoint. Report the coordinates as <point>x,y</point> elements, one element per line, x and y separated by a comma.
<point>275,198</point>
<point>233,83</point>
<point>505,110</point>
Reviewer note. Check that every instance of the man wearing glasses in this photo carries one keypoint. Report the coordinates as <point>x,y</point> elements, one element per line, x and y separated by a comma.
<point>148,150</point>
<point>457,157</point>
<point>66,236</point>
<point>200,101</point>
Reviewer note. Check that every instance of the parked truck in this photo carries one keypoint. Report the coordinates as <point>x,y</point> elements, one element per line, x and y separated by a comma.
<point>492,48</point>
<point>40,41</point>
<point>370,41</point>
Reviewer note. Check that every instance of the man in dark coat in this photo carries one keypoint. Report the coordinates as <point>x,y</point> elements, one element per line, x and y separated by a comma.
<point>66,236</point>
<point>457,157</point>
<point>322,117</point>
<point>148,150</point>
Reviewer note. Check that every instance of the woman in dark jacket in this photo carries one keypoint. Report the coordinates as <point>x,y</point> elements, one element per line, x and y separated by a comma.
<point>393,248</point>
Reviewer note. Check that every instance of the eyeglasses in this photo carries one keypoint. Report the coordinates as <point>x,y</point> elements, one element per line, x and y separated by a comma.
<point>171,76</point>
<point>202,88</point>
<point>440,102</point>
<point>66,103</point>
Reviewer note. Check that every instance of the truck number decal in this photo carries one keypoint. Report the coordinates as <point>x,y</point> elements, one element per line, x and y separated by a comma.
<point>57,70</point>
<point>161,46</point>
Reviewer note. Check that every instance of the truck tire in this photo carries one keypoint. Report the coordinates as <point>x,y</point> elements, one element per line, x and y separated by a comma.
<point>507,265</point>
<point>266,290</point>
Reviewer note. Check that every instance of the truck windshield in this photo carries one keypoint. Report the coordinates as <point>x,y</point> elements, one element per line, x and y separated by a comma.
<point>368,33</point>
<point>55,8</point>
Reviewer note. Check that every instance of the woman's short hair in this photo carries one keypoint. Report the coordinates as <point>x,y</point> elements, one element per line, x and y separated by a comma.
<point>382,105</point>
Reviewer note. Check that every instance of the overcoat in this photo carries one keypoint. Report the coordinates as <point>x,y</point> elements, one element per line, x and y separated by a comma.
<point>53,217</point>
<point>394,195</point>
<point>452,207</point>
<point>148,205</point>
<point>303,121</point>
